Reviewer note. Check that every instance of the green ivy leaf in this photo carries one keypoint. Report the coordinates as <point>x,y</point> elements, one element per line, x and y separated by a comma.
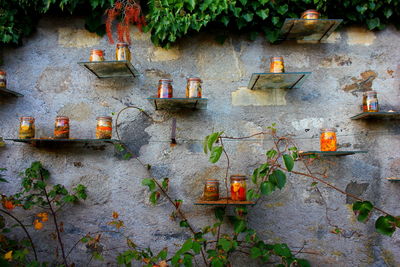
<point>283,9</point>
<point>239,226</point>
<point>205,144</point>
<point>212,139</point>
<point>225,20</point>
<point>373,23</point>
<point>165,184</point>
<point>271,153</point>
<point>255,252</point>
<point>263,13</point>
<point>303,263</point>
<point>187,246</point>
<point>282,250</point>
<point>183,223</point>
<point>150,183</point>
<point>153,198</point>
<point>219,213</point>
<point>267,188</point>
<point>250,194</point>
<point>191,4</point>
<point>215,154</point>
<point>386,225</point>
<point>361,9</point>
<point>225,244</point>
<point>263,2</point>
<point>388,12</point>
<point>248,17</point>
<point>278,178</point>
<point>196,247</point>
<point>362,210</point>
<point>289,162</point>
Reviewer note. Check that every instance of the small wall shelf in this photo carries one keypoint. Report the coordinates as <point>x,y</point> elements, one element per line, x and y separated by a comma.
<point>308,29</point>
<point>55,142</point>
<point>6,92</point>
<point>393,179</point>
<point>224,201</point>
<point>110,69</point>
<point>285,80</point>
<point>178,103</point>
<point>377,115</point>
<point>330,153</point>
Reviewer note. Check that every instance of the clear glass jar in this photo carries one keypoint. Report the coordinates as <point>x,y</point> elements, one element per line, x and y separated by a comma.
<point>370,102</point>
<point>193,88</point>
<point>238,187</point>
<point>26,128</point>
<point>276,65</point>
<point>104,128</point>
<point>310,14</point>
<point>328,139</point>
<point>122,52</point>
<point>61,128</point>
<point>3,79</point>
<point>165,89</point>
<point>96,55</point>
<point>211,190</point>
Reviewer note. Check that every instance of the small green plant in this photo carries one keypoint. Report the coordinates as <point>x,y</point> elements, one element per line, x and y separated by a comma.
<point>36,194</point>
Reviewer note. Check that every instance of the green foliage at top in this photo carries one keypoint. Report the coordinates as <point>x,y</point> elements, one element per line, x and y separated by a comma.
<point>169,20</point>
<point>18,18</point>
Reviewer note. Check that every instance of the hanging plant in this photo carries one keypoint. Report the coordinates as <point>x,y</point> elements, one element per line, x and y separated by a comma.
<point>127,12</point>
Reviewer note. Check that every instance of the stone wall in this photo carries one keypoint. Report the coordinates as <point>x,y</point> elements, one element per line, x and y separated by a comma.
<point>45,70</point>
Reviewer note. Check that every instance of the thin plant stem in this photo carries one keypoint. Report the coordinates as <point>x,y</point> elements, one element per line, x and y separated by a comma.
<point>25,230</point>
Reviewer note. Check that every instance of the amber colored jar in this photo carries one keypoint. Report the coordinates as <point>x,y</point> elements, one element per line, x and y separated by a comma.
<point>26,128</point>
<point>328,139</point>
<point>193,88</point>
<point>104,128</point>
<point>370,102</point>
<point>96,55</point>
<point>276,65</point>
<point>238,187</point>
<point>3,79</point>
<point>211,190</point>
<point>122,52</point>
<point>310,14</point>
<point>61,128</point>
<point>165,89</point>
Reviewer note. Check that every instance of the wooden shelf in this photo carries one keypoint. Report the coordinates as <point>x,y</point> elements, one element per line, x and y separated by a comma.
<point>393,179</point>
<point>284,80</point>
<point>7,92</point>
<point>110,69</point>
<point>377,115</point>
<point>330,153</point>
<point>55,142</point>
<point>223,201</point>
<point>178,103</point>
<point>315,30</point>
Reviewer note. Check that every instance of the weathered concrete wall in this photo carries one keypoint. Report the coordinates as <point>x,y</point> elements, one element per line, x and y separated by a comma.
<point>45,70</point>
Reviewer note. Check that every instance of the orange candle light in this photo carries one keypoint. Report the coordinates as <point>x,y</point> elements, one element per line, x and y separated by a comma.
<point>328,139</point>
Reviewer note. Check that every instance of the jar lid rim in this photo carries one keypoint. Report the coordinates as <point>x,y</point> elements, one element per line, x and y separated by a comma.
<point>104,117</point>
<point>212,180</point>
<point>165,80</point>
<point>62,117</point>
<point>27,117</point>
<point>238,176</point>
<point>370,92</point>
<point>328,130</point>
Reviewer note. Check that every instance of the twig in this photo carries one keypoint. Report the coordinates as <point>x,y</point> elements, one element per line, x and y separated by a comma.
<point>25,230</point>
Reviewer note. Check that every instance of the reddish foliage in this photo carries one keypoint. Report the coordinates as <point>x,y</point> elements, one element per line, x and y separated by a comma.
<point>128,12</point>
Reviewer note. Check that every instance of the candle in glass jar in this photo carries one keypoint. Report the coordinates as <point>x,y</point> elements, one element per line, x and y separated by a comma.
<point>26,128</point>
<point>238,187</point>
<point>328,140</point>
<point>104,128</point>
<point>211,190</point>
<point>61,128</point>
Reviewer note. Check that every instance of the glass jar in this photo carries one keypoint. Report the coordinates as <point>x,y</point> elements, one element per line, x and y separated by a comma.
<point>26,128</point>
<point>122,52</point>
<point>104,128</point>
<point>193,88</point>
<point>310,14</point>
<point>328,139</point>
<point>238,187</point>
<point>96,55</point>
<point>276,65</point>
<point>211,190</point>
<point>370,102</point>
<point>165,89</point>
<point>3,79</point>
<point>61,128</point>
